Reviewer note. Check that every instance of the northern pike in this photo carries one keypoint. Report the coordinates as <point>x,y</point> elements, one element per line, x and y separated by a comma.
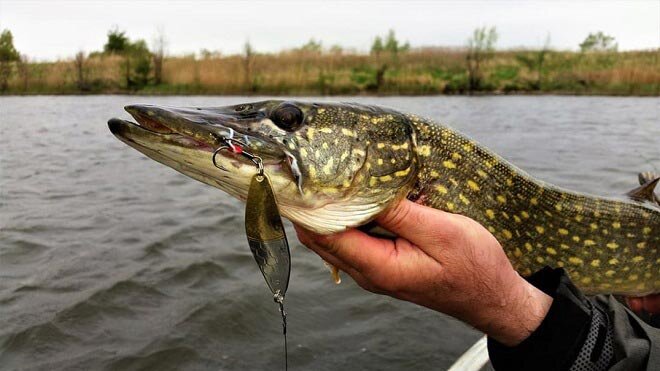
<point>335,166</point>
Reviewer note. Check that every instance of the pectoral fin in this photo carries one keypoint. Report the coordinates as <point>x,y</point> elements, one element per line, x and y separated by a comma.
<point>645,192</point>
<point>334,272</point>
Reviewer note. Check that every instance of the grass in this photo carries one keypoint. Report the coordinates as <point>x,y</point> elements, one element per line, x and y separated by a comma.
<point>419,71</point>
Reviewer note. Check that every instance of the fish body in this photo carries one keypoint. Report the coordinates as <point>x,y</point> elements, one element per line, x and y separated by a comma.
<point>337,166</point>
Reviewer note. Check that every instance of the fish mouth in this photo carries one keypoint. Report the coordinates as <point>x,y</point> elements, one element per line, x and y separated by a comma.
<point>200,129</point>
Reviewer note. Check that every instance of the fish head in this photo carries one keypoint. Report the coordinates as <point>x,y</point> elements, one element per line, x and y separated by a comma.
<point>332,166</point>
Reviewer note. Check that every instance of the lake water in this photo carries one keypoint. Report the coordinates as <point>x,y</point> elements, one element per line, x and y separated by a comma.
<point>111,261</point>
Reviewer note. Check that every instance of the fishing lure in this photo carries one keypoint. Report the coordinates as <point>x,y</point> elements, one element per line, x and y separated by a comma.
<point>265,231</point>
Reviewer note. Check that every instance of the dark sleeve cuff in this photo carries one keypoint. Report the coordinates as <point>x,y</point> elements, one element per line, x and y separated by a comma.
<point>556,343</point>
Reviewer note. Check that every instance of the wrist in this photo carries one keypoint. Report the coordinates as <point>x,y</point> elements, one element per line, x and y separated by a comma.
<point>522,312</point>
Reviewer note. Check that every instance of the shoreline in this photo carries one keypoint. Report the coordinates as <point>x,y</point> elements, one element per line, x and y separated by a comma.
<point>307,95</point>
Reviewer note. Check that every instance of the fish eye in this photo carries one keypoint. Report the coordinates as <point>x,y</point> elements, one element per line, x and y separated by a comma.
<point>287,116</point>
<point>242,107</point>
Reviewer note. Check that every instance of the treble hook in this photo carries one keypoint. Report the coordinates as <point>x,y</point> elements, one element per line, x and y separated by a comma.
<point>256,160</point>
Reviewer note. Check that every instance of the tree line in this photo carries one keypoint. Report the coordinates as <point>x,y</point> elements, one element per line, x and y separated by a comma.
<point>142,66</point>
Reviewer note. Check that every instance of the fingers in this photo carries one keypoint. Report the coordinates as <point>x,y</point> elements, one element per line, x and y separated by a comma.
<point>650,304</point>
<point>635,304</point>
<point>419,224</point>
<point>347,250</point>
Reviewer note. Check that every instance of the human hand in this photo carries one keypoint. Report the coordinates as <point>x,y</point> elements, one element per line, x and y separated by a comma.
<point>443,261</point>
<point>649,304</point>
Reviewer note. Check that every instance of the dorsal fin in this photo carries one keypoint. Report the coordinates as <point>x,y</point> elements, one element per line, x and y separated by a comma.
<point>644,192</point>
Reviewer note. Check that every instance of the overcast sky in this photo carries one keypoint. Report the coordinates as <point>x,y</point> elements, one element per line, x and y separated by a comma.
<point>58,29</point>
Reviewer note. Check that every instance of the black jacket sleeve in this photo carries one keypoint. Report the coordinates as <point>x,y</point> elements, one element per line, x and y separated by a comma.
<point>580,334</point>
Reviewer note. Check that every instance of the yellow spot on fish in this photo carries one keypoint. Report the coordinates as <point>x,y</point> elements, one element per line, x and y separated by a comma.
<point>434,174</point>
<point>474,186</point>
<point>310,134</point>
<point>575,260</point>
<point>450,206</point>
<point>595,263</point>
<point>540,229</point>
<point>551,251</point>
<point>646,230</point>
<point>456,156</point>
<point>380,161</point>
<point>327,169</point>
<point>385,178</point>
<point>534,201</point>
<point>579,218</point>
<point>507,234</point>
<point>610,273</point>
<point>613,245</point>
<point>564,246</point>
<point>449,164</point>
<point>509,182</point>
<point>633,277</point>
<point>540,259</point>
<point>326,130</point>
<point>524,214</point>
<point>593,226</point>
<point>528,246</point>
<point>613,261</point>
<point>441,189</point>
<point>324,145</point>
<point>463,199</point>
<point>517,219</point>
<point>343,156</point>
<point>491,163</point>
<point>402,173</point>
<point>303,152</point>
<point>490,213</point>
<point>424,150</point>
<point>558,207</point>
<point>501,199</point>
<point>517,253</point>
<point>358,152</point>
<point>348,132</point>
<point>393,161</point>
<point>380,145</point>
<point>641,245</point>
<point>589,243</point>
<point>576,238</point>
<point>563,231</point>
<point>586,280</point>
<point>482,173</point>
<point>292,146</point>
<point>467,147</point>
<point>616,225</point>
<point>373,181</point>
<point>637,259</point>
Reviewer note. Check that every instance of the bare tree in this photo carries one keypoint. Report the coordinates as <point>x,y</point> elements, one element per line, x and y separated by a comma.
<point>23,66</point>
<point>79,63</point>
<point>535,62</point>
<point>480,48</point>
<point>158,52</point>
<point>248,59</point>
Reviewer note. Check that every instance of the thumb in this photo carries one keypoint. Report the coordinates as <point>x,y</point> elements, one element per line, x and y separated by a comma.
<point>419,224</point>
